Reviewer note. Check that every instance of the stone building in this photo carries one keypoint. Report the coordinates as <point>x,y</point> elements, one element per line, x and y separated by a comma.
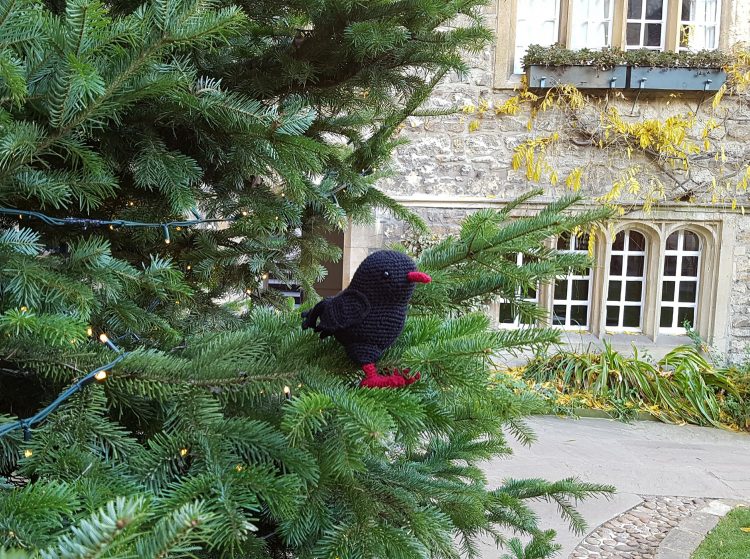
<point>685,259</point>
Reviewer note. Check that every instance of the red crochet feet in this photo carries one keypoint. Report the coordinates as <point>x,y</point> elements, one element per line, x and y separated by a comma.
<point>373,379</point>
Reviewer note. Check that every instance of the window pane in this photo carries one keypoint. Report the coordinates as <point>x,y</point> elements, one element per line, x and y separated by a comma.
<point>558,315</point>
<point>580,290</point>
<point>635,266</point>
<point>670,266</point>
<point>654,9</point>
<point>615,289</point>
<point>634,34</point>
<point>561,289</point>
<point>537,22</point>
<point>653,35</point>
<point>591,22</point>
<point>633,291</point>
<point>632,317</point>
<point>667,291</point>
<point>637,242</point>
<point>685,314</point>
<point>635,9</point>
<point>688,10</point>
<point>579,315</point>
<point>506,314</point>
<point>667,313</point>
<point>615,265</point>
<point>691,242</point>
<point>619,242</point>
<point>582,242</point>
<point>613,316</point>
<point>690,266</point>
<point>672,241</point>
<point>688,291</point>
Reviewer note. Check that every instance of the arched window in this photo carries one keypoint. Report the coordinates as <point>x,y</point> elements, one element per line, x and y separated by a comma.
<point>627,279</point>
<point>679,290</point>
<point>571,302</point>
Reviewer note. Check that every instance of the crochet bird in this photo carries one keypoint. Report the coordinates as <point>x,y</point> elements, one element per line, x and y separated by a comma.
<point>368,316</point>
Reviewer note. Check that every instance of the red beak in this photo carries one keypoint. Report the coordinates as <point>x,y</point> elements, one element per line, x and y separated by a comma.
<point>418,277</point>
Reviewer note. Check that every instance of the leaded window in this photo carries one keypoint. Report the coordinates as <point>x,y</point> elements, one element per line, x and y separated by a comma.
<point>571,303</point>
<point>627,282</point>
<point>681,277</point>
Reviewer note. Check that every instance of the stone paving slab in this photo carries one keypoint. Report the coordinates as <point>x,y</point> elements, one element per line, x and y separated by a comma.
<point>643,458</point>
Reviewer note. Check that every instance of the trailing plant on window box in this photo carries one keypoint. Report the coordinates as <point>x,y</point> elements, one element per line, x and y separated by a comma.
<point>639,69</point>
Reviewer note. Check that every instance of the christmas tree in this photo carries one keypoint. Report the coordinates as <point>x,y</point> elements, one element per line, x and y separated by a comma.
<point>158,162</point>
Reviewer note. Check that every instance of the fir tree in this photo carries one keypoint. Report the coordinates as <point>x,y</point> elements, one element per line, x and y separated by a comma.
<point>224,429</point>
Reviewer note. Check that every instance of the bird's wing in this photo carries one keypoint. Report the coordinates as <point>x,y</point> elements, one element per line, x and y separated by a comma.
<point>343,311</point>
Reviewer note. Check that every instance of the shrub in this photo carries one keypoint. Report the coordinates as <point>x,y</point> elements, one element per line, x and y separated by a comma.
<point>681,387</point>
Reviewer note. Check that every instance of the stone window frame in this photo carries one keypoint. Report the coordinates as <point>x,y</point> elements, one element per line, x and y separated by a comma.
<point>506,13</point>
<point>656,233</point>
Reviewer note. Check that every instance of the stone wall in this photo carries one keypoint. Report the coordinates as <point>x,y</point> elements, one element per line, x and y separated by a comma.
<point>444,161</point>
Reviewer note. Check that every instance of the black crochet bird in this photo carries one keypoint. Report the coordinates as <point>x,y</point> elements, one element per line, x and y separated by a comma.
<point>368,316</point>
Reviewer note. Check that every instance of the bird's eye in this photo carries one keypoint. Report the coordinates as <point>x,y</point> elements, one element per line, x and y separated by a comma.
<point>386,275</point>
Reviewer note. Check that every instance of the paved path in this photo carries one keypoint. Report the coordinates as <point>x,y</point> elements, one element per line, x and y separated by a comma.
<point>643,458</point>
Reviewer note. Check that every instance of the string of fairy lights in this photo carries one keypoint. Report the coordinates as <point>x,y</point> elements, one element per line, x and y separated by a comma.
<point>165,226</point>
<point>99,374</point>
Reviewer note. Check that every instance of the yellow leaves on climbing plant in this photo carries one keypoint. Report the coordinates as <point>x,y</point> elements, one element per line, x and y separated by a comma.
<point>719,96</point>
<point>574,179</point>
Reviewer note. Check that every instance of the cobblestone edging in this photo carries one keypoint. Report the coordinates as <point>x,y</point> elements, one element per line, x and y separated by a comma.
<point>638,533</point>
<point>685,538</point>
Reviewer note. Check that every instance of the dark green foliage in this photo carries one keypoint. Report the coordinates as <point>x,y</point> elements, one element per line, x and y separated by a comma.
<point>227,431</point>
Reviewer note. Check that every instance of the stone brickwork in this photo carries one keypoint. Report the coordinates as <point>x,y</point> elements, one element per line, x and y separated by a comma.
<point>444,161</point>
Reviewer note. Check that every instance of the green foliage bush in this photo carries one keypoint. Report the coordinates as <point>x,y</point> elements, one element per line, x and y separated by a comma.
<point>681,387</point>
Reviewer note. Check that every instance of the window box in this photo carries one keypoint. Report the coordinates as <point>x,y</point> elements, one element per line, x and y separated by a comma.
<point>583,77</point>
<point>613,68</point>
<point>677,79</point>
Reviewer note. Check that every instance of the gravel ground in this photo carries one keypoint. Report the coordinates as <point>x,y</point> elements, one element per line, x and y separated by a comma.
<point>637,533</point>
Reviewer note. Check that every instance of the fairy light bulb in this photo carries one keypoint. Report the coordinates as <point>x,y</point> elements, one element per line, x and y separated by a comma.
<point>101,376</point>
<point>183,452</point>
<point>103,338</point>
<point>287,392</point>
<point>89,331</point>
<point>244,213</point>
<point>189,267</point>
<point>28,453</point>
<point>24,308</point>
<point>239,467</point>
<point>111,227</point>
<point>166,235</point>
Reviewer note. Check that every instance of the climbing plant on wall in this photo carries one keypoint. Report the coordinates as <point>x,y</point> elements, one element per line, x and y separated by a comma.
<point>681,153</point>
